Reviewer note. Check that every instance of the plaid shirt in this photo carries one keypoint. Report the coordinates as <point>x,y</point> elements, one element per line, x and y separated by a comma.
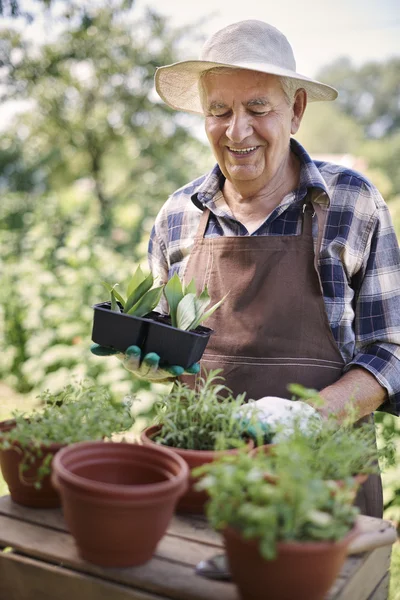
<point>359,260</point>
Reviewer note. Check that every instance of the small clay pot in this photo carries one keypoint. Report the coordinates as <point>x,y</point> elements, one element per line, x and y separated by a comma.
<point>304,570</point>
<point>192,501</point>
<point>21,484</point>
<point>118,498</point>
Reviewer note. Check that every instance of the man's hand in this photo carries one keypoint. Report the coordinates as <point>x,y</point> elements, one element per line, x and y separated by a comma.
<point>147,367</point>
<point>278,417</point>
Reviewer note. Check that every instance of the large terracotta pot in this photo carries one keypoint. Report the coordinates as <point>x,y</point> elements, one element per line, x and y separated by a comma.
<point>21,484</point>
<point>192,501</point>
<point>301,570</point>
<point>118,498</point>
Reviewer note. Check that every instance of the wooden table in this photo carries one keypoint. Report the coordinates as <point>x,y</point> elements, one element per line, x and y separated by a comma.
<point>41,563</point>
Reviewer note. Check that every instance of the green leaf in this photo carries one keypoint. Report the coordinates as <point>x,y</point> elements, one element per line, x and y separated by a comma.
<point>206,315</point>
<point>138,292</point>
<point>114,304</point>
<point>136,280</point>
<point>146,303</point>
<point>174,293</point>
<point>186,312</point>
<point>190,288</point>
<point>111,289</point>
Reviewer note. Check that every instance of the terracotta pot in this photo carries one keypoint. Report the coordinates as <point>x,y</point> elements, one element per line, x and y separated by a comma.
<point>303,571</point>
<point>192,501</point>
<point>118,498</point>
<point>21,484</point>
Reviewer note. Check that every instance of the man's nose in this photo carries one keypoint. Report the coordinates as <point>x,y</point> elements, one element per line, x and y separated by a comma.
<point>239,127</point>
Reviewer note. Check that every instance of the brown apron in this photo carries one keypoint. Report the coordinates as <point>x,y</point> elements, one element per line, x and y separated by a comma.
<point>272,329</point>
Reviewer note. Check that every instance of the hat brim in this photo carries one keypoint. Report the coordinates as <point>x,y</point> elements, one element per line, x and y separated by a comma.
<point>177,84</point>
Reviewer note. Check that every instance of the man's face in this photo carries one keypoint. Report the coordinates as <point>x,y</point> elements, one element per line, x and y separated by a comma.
<point>248,122</point>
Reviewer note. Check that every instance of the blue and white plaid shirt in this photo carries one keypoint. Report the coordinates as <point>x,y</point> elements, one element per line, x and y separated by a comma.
<point>359,260</point>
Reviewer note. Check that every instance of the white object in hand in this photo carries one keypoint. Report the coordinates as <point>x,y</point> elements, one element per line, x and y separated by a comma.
<point>281,415</point>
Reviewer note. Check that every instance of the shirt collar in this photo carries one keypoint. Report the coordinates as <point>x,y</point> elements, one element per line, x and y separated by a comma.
<point>310,177</point>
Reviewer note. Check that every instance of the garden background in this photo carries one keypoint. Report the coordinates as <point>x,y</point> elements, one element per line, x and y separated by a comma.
<point>90,156</point>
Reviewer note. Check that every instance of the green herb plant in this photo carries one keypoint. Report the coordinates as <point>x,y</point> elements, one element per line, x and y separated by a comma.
<point>296,505</point>
<point>187,309</point>
<point>78,413</point>
<point>204,418</point>
<point>340,449</point>
<point>141,295</point>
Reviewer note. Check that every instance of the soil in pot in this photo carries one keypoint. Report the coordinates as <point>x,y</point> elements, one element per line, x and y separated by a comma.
<point>118,498</point>
<point>301,571</point>
<point>21,484</point>
<point>192,501</point>
<point>117,330</point>
<point>175,346</point>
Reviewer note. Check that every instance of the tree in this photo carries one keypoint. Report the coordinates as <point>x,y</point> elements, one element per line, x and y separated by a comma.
<point>369,93</point>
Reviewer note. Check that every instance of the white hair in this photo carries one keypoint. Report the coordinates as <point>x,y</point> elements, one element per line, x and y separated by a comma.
<point>288,84</point>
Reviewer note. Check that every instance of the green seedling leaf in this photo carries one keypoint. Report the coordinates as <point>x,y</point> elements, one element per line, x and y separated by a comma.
<point>147,302</point>
<point>137,293</point>
<point>114,304</point>
<point>190,288</point>
<point>208,314</point>
<point>111,289</point>
<point>186,312</point>
<point>174,293</point>
<point>136,280</point>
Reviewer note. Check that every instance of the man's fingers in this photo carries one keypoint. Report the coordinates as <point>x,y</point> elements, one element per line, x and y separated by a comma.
<point>102,350</point>
<point>193,369</point>
<point>131,358</point>
<point>175,370</point>
<point>150,363</point>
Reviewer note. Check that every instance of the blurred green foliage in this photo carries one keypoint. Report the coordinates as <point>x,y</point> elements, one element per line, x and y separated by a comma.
<point>83,173</point>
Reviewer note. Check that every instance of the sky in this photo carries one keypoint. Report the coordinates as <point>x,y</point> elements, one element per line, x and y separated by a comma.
<point>318,30</point>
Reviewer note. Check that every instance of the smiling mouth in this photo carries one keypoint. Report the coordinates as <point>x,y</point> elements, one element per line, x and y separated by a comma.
<point>242,151</point>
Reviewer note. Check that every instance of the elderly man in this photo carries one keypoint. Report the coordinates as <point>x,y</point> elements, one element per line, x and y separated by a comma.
<point>306,249</point>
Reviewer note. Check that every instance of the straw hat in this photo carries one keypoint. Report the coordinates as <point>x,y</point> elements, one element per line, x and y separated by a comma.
<point>249,44</point>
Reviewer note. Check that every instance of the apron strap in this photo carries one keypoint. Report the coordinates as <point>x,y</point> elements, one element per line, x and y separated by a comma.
<point>201,230</point>
<point>321,212</point>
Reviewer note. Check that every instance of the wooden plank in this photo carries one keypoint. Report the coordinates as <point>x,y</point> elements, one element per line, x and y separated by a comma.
<point>23,578</point>
<point>381,592</point>
<point>48,517</point>
<point>191,527</point>
<point>361,574</point>
<point>163,575</point>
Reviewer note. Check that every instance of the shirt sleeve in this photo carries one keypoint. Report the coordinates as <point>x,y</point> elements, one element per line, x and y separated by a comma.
<point>377,306</point>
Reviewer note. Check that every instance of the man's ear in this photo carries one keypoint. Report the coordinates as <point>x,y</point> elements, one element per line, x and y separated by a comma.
<point>299,106</point>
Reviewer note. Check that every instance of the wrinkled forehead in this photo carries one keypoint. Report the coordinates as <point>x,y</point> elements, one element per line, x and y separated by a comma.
<point>224,82</point>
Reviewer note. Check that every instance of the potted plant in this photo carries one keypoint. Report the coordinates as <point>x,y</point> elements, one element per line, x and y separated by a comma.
<point>178,337</point>
<point>286,537</point>
<point>200,425</point>
<point>338,449</point>
<point>118,498</point>
<point>28,443</point>
<point>118,323</point>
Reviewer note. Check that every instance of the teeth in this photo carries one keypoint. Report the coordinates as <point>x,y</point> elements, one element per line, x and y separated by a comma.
<point>242,150</point>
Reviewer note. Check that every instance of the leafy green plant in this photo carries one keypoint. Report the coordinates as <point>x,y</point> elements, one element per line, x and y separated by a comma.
<point>204,418</point>
<point>141,296</point>
<point>297,505</point>
<point>188,309</point>
<point>341,449</point>
<point>77,413</point>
